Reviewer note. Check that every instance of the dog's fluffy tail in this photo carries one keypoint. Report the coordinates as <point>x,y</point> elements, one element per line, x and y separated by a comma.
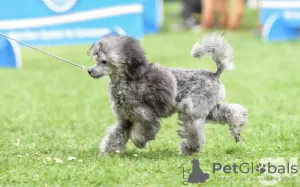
<point>218,48</point>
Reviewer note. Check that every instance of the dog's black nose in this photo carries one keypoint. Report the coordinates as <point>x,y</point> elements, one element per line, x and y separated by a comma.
<point>90,70</point>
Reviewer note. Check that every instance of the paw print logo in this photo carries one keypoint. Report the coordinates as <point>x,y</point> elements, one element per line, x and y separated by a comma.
<point>260,168</point>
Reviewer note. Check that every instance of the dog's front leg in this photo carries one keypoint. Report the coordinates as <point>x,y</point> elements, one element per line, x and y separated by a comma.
<point>115,139</point>
<point>143,132</point>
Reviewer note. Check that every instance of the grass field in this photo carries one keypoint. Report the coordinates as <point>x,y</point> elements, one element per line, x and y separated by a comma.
<point>50,111</point>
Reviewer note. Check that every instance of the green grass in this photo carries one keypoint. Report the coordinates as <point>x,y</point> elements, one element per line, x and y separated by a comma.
<point>51,109</point>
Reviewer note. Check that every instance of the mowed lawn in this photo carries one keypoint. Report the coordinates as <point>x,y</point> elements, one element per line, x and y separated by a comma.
<point>50,111</point>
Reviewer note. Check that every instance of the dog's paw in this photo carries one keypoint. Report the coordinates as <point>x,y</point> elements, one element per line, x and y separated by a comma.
<point>236,133</point>
<point>140,145</point>
<point>237,137</point>
<point>187,150</point>
<point>237,118</point>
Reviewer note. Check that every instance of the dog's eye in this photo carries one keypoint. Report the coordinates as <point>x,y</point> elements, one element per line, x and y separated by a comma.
<point>104,62</point>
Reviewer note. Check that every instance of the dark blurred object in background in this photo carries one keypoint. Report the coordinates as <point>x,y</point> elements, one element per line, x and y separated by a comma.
<point>189,8</point>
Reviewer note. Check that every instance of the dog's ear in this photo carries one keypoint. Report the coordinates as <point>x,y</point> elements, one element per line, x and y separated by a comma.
<point>135,59</point>
<point>136,68</point>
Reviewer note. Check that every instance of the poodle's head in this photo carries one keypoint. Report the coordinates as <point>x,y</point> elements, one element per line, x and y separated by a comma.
<point>117,55</point>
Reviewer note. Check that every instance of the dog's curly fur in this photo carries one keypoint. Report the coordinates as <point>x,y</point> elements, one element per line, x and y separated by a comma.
<point>142,93</point>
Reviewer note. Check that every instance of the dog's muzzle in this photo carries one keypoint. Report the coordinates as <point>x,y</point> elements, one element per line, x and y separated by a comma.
<point>91,72</point>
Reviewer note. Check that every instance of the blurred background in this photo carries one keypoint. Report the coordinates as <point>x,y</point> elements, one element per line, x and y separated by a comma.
<point>73,22</point>
<point>69,22</point>
<point>50,109</point>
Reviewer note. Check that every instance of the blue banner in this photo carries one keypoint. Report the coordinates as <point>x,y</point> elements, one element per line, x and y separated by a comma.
<point>49,22</point>
<point>269,7</point>
<point>280,19</point>
<point>153,15</point>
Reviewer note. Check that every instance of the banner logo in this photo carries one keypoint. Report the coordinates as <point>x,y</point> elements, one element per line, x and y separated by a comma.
<point>60,6</point>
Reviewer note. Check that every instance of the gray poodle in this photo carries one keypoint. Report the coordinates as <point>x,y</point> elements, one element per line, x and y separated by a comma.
<point>142,93</point>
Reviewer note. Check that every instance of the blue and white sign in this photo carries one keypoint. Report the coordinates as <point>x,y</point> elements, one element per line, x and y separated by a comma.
<point>152,15</point>
<point>10,54</point>
<point>269,7</point>
<point>280,19</point>
<point>47,22</point>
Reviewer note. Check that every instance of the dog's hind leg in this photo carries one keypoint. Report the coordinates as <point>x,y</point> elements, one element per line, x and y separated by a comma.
<point>116,138</point>
<point>192,133</point>
<point>234,115</point>
<point>143,132</point>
